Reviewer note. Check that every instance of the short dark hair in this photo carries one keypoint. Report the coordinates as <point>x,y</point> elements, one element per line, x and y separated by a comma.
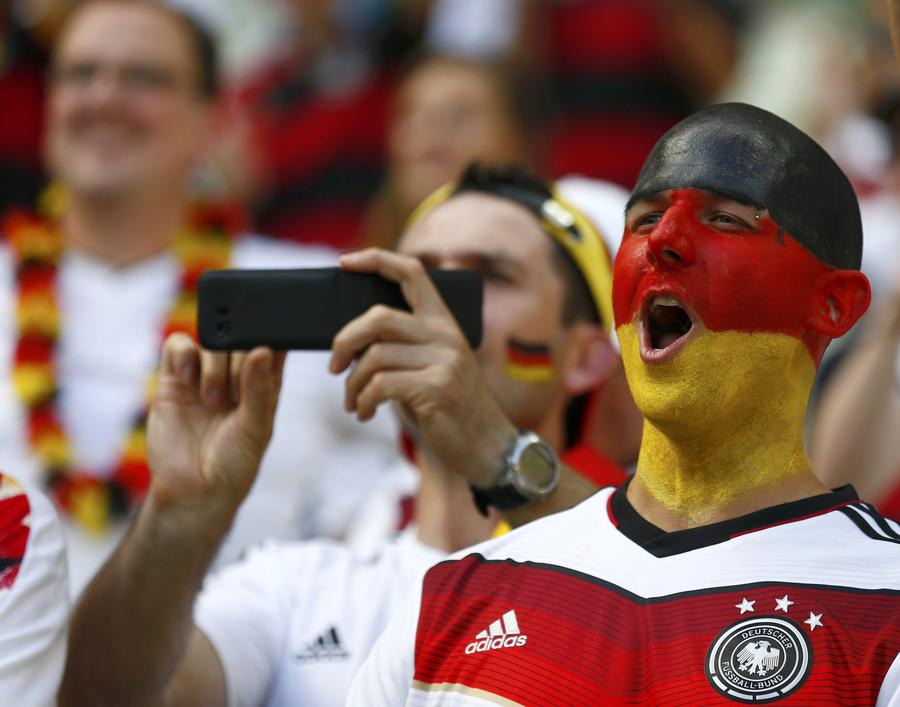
<point>203,43</point>
<point>517,184</point>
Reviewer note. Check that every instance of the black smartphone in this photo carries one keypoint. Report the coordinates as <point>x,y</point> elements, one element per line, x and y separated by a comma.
<point>305,308</point>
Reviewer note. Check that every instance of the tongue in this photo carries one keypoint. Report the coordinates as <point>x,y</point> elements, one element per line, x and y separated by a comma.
<point>666,340</point>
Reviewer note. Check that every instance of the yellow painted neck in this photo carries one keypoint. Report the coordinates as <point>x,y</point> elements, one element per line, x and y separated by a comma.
<point>723,426</point>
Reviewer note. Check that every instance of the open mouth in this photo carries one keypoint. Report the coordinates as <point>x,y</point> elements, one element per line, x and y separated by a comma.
<point>665,327</point>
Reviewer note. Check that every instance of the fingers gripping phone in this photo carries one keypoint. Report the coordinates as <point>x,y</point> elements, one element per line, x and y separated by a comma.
<point>305,308</point>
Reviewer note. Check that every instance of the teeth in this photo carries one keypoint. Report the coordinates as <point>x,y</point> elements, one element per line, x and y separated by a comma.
<point>665,301</point>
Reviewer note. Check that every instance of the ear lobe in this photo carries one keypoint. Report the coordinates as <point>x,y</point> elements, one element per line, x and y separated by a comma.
<point>842,298</point>
<point>590,359</point>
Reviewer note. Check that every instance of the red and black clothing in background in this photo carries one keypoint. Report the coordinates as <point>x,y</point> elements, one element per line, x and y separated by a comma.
<point>22,69</point>
<point>321,151</point>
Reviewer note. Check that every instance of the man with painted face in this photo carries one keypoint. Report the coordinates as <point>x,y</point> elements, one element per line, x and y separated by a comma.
<point>723,572</point>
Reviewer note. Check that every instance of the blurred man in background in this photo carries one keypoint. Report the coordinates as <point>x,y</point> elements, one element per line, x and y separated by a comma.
<point>109,265</point>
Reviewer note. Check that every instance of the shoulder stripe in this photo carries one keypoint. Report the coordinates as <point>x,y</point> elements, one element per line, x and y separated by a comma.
<point>883,524</point>
<point>866,524</point>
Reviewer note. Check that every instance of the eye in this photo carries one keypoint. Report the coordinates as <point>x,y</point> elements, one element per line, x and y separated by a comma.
<point>76,74</point>
<point>729,222</point>
<point>644,223</point>
<point>146,78</point>
<point>495,275</point>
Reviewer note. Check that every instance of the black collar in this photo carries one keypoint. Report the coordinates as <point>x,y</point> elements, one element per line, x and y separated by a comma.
<point>658,542</point>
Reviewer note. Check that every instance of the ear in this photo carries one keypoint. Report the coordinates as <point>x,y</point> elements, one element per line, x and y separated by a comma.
<point>842,297</point>
<point>589,359</point>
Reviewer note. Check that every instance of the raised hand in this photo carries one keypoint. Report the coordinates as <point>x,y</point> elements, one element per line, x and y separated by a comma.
<point>421,360</point>
<point>210,422</point>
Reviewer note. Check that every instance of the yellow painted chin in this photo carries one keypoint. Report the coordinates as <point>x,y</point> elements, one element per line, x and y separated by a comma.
<point>720,380</point>
<point>724,417</point>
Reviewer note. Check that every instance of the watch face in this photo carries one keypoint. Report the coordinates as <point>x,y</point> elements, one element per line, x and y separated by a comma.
<point>536,467</point>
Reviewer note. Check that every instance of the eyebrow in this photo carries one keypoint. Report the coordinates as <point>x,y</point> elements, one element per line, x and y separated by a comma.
<point>651,197</point>
<point>480,261</point>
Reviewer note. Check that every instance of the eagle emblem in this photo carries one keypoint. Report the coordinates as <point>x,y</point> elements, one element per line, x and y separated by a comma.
<point>759,660</point>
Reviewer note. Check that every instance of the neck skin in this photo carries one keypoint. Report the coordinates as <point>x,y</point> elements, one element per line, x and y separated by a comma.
<point>445,514</point>
<point>121,231</point>
<point>688,477</point>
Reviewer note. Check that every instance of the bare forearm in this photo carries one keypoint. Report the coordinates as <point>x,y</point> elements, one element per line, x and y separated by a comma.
<point>131,627</point>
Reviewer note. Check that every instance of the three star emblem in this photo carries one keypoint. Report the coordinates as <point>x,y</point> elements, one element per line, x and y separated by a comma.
<point>781,604</point>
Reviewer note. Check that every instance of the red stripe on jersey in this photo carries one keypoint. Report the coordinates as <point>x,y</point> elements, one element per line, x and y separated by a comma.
<point>792,520</point>
<point>583,641</point>
<point>609,511</point>
<point>890,507</point>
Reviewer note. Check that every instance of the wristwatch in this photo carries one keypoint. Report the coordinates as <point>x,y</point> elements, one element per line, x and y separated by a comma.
<point>530,473</point>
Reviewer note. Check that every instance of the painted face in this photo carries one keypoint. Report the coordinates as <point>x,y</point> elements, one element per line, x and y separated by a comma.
<point>708,297</point>
<point>523,293</point>
<point>124,110</point>
<point>727,265</point>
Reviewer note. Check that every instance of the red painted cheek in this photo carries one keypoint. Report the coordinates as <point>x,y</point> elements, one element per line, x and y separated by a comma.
<point>628,269</point>
<point>760,285</point>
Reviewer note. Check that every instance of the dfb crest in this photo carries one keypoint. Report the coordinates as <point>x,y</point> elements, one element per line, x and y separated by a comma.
<point>759,660</point>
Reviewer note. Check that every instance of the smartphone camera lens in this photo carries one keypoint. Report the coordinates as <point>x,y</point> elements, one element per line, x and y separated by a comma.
<point>222,328</point>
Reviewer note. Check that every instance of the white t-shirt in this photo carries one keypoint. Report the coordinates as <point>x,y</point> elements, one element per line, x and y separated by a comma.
<point>293,621</point>
<point>34,597</point>
<point>319,466</point>
<point>595,605</point>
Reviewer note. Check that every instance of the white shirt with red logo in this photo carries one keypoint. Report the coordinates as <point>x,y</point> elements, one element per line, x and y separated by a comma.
<point>797,604</point>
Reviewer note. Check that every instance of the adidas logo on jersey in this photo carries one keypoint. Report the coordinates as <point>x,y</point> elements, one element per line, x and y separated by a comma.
<point>326,647</point>
<point>502,633</point>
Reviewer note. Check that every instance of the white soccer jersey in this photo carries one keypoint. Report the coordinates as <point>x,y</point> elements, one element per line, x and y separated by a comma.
<point>34,597</point>
<point>797,604</point>
<point>293,622</point>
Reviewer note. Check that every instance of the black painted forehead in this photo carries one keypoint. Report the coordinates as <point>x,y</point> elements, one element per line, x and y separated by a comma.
<point>755,157</point>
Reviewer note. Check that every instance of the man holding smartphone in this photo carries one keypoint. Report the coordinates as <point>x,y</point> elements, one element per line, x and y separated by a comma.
<point>290,624</point>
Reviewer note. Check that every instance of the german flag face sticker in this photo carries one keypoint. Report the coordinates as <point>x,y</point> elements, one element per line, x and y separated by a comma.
<point>14,529</point>
<point>529,362</point>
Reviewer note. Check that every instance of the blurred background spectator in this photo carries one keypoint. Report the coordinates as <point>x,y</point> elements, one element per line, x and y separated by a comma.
<point>447,112</point>
<point>96,273</point>
<point>26,32</point>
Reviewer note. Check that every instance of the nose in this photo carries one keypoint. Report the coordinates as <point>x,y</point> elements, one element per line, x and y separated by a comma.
<point>670,245</point>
